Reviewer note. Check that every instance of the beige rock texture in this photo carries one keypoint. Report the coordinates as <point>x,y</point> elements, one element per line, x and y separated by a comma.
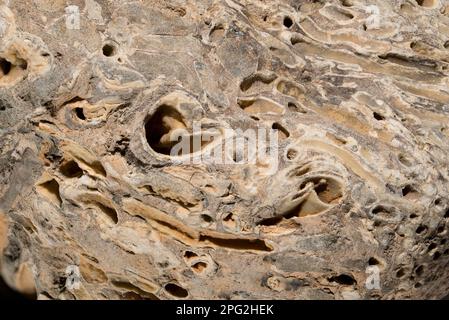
<point>94,205</point>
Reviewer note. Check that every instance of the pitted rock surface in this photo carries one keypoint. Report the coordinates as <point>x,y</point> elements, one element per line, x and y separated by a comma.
<point>357,91</point>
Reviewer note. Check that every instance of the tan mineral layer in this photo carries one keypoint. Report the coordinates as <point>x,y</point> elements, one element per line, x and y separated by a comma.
<point>95,204</point>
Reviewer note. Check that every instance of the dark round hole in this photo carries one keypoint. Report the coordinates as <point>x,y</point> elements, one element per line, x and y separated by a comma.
<point>407,190</point>
<point>419,271</point>
<point>373,261</point>
<point>421,229</point>
<point>80,113</point>
<point>207,218</point>
<point>109,50</point>
<point>288,22</point>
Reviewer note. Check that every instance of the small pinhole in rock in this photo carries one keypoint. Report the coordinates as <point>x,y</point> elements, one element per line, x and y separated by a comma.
<point>405,160</point>
<point>409,192</point>
<point>413,45</point>
<point>373,261</point>
<point>436,255</point>
<point>441,229</point>
<point>431,246</point>
<point>421,229</point>
<point>190,255</point>
<point>229,221</point>
<point>288,22</point>
<point>176,290</point>
<point>109,50</point>
<point>419,271</point>
<point>406,190</point>
<point>417,285</point>
<point>292,154</point>
<point>207,218</point>
<point>378,116</point>
<point>413,216</point>
<point>254,118</point>
<point>400,273</point>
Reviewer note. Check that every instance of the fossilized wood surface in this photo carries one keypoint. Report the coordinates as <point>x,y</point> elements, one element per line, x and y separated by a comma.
<point>358,91</point>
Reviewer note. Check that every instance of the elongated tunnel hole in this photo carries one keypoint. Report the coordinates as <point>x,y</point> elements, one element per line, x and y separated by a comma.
<point>176,290</point>
<point>343,279</point>
<point>238,243</point>
<point>421,229</point>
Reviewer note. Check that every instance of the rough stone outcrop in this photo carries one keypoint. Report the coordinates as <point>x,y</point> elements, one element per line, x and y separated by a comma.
<point>357,91</point>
